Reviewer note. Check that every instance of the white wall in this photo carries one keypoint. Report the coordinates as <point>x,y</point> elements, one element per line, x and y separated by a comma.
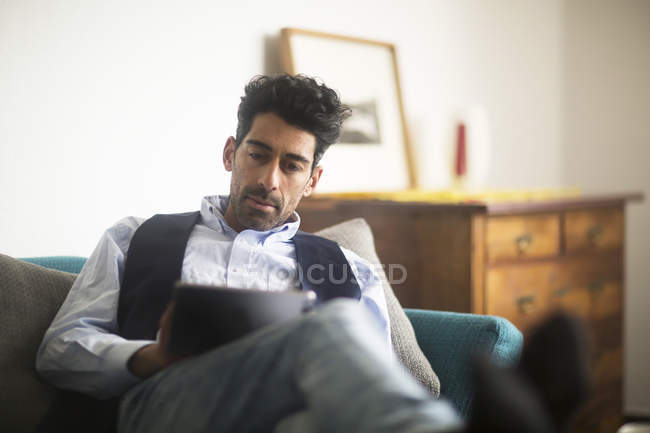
<point>507,57</point>
<point>608,146</point>
<point>121,108</point>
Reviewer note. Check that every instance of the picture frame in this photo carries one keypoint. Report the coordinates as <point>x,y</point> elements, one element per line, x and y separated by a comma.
<point>374,153</point>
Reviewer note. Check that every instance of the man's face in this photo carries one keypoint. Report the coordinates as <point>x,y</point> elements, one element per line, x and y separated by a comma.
<point>271,172</point>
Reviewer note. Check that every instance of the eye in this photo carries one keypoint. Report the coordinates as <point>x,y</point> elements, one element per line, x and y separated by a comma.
<point>255,155</point>
<point>292,166</point>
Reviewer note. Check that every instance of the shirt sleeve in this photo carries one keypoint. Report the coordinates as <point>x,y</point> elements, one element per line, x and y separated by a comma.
<point>372,293</point>
<point>81,351</point>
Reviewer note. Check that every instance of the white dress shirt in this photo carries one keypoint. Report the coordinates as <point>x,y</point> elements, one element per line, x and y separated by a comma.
<point>81,350</point>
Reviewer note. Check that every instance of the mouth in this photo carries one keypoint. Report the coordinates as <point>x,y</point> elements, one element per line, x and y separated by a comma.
<point>258,203</point>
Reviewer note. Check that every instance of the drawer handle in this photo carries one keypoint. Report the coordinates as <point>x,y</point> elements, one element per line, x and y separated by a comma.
<point>562,291</point>
<point>595,287</point>
<point>595,233</point>
<point>523,242</point>
<point>526,304</point>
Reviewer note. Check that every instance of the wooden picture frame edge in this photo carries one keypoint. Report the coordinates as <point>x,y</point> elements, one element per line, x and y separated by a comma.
<point>289,67</point>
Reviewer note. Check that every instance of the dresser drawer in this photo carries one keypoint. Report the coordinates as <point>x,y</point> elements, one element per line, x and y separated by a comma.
<point>594,300</point>
<point>521,293</point>
<point>591,288</point>
<point>514,237</point>
<point>593,230</point>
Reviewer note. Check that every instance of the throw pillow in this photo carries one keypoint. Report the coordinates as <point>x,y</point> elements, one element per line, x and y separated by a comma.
<point>30,296</point>
<point>356,236</point>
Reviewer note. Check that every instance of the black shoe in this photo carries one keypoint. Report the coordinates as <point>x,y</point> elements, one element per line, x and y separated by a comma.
<point>543,392</point>
<point>555,361</point>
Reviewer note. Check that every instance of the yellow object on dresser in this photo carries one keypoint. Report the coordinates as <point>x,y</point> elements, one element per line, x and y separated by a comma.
<point>458,195</point>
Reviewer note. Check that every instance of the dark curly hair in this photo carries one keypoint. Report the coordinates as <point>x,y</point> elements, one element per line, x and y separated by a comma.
<point>300,101</point>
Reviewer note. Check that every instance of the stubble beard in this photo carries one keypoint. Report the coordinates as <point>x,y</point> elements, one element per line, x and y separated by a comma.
<point>256,219</point>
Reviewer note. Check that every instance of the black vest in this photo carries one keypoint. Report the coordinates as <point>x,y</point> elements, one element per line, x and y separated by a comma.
<point>155,259</point>
<point>153,264</point>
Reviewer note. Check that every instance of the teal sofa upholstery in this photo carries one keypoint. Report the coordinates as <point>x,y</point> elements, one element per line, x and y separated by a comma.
<point>72,264</point>
<point>448,340</point>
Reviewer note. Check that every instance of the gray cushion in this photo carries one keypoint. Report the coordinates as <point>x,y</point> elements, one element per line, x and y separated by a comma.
<point>30,296</point>
<point>356,236</point>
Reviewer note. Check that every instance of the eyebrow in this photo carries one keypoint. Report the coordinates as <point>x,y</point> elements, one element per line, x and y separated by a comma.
<point>265,146</point>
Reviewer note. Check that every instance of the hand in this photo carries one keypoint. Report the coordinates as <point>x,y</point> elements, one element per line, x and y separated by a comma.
<point>154,357</point>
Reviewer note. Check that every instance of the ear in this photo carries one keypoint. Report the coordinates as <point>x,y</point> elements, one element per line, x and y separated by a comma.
<point>313,181</point>
<point>229,154</point>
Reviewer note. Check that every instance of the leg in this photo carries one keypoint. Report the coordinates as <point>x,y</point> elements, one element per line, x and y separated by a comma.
<point>331,363</point>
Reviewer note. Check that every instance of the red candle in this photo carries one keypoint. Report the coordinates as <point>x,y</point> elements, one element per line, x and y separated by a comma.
<point>461,165</point>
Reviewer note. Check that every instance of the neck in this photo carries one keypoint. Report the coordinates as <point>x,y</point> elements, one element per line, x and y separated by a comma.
<point>231,219</point>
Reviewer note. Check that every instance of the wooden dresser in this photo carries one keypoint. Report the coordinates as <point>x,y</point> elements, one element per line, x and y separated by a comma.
<point>515,260</point>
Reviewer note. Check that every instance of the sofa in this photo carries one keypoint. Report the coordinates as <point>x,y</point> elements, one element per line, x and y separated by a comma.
<point>437,343</point>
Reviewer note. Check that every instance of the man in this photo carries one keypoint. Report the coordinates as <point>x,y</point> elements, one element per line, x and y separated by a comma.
<point>331,371</point>
<point>295,373</point>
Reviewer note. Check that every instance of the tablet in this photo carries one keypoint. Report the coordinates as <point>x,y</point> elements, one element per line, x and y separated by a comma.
<point>205,317</point>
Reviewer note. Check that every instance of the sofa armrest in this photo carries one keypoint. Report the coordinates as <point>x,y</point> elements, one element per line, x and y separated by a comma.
<point>450,340</point>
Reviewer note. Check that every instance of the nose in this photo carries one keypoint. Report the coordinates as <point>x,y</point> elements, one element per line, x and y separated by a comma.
<point>270,177</point>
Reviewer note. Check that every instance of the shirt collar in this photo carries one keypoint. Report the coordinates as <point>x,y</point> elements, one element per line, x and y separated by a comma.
<point>214,207</point>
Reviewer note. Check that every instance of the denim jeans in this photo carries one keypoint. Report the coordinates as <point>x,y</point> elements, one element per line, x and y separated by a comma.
<point>327,371</point>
